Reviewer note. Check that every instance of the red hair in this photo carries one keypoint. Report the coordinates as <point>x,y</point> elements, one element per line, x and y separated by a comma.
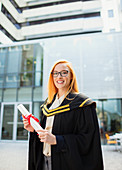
<point>52,90</point>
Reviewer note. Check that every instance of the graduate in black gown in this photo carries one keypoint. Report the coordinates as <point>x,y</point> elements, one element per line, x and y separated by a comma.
<point>70,139</point>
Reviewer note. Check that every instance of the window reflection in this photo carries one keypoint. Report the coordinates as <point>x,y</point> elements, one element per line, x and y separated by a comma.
<point>19,62</point>
<point>7,125</point>
<point>38,78</point>
<point>2,59</point>
<point>27,58</point>
<point>113,116</point>
<point>0,109</point>
<point>11,80</point>
<point>25,79</point>
<point>110,116</point>
<point>13,59</point>
<point>0,95</point>
<point>36,109</point>
<point>22,134</point>
<point>25,94</point>
<point>37,94</point>
<point>9,95</point>
<point>1,81</point>
<point>38,57</point>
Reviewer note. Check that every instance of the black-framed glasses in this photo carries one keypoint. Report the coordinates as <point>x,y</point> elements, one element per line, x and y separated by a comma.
<point>63,73</point>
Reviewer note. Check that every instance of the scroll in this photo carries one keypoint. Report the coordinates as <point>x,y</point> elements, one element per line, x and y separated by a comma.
<point>32,120</point>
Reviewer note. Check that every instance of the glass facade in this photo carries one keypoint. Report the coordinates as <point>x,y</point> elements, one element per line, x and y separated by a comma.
<point>96,59</point>
<point>22,134</point>
<point>8,119</point>
<point>109,113</point>
<point>21,79</point>
<point>9,95</point>
<point>21,66</point>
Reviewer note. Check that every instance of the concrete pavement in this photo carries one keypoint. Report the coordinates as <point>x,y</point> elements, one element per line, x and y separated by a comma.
<point>112,158</point>
<point>13,156</point>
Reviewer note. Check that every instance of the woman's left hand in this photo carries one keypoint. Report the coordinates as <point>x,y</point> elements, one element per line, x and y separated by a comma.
<point>47,137</point>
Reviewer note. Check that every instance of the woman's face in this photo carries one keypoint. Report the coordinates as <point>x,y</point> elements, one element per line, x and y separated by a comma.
<point>61,82</point>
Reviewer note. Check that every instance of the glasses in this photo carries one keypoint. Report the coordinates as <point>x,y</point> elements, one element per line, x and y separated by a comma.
<point>63,73</point>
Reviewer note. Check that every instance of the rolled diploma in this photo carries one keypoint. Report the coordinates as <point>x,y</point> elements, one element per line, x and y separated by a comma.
<point>33,122</point>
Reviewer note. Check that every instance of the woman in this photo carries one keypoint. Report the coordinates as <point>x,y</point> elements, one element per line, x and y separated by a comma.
<point>70,139</point>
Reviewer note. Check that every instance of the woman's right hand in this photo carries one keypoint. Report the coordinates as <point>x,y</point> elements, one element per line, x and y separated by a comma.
<point>27,126</point>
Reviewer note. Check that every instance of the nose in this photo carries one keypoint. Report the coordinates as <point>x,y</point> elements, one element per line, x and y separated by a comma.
<point>59,75</point>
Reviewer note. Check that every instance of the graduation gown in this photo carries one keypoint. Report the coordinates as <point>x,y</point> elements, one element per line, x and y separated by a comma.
<point>77,133</point>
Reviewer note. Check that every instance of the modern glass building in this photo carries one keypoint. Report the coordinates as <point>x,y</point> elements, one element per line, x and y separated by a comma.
<point>21,78</point>
<point>25,67</point>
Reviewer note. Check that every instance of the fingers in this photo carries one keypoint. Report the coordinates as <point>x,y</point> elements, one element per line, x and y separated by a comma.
<point>42,130</point>
<point>25,122</point>
<point>24,119</point>
<point>44,137</point>
<point>43,134</point>
<point>47,137</point>
<point>27,126</point>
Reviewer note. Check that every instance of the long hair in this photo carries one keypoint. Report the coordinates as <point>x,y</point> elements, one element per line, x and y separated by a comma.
<point>52,90</point>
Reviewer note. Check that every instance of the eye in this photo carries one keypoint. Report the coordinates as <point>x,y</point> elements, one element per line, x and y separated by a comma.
<point>64,72</point>
<point>55,73</point>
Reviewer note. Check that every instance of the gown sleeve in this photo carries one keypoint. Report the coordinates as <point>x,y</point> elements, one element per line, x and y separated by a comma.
<point>85,130</point>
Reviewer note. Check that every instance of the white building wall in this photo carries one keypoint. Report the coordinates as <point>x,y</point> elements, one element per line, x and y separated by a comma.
<point>5,22</point>
<point>4,39</point>
<point>62,26</point>
<point>111,23</point>
<point>12,10</point>
<point>51,28</point>
<point>102,23</point>
<point>61,10</point>
<point>21,3</point>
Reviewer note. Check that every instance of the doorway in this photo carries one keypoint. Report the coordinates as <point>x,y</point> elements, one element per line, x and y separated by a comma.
<point>11,122</point>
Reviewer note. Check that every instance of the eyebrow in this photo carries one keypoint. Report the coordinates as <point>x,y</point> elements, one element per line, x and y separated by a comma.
<point>60,71</point>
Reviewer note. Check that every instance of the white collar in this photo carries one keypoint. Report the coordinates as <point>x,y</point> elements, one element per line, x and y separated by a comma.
<point>59,99</point>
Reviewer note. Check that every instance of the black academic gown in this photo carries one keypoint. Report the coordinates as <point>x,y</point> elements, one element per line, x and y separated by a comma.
<point>78,141</point>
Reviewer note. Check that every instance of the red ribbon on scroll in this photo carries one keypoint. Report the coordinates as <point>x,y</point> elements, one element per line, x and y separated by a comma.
<point>30,116</point>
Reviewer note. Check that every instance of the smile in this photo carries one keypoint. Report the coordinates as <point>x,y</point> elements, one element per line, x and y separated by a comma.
<point>60,82</point>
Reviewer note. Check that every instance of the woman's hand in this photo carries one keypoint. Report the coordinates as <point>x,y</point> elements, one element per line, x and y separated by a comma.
<point>47,137</point>
<point>27,126</point>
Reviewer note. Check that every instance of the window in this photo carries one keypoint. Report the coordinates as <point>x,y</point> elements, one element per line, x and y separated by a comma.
<point>109,116</point>
<point>9,95</point>
<point>0,95</point>
<point>3,52</point>
<point>13,60</point>
<point>27,58</point>
<point>1,81</point>
<point>110,13</point>
<point>25,94</point>
<point>25,79</point>
<point>121,5</point>
<point>11,80</point>
<point>112,30</point>
<point>37,94</point>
